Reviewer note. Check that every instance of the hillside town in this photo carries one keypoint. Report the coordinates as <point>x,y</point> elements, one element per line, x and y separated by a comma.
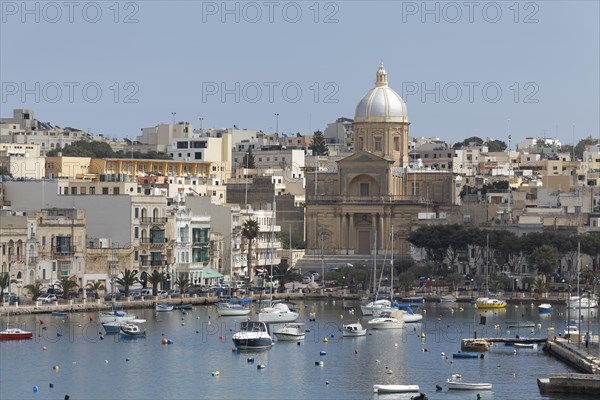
<point>220,206</point>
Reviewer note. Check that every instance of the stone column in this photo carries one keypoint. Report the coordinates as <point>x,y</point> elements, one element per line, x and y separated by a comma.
<point>343,248</point>
<point>374,240</point>
<point>351,245</point>
<point>382,231</point>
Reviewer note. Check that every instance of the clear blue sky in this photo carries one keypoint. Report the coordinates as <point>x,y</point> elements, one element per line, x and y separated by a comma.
<point>177,56</point>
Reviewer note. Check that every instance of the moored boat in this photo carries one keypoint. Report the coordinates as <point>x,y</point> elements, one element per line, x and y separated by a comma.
<point>545,308</point>
<point>465,355</point>
<point>386,321</point>
<point>581,302</point>
<point>132,330</point>
<point>59,314</point>
<point>163,308</point>
<point>520,324</point>
<point>484,303</point>
<point>378,305</point>
<point>188,306</point>
<point>526,345</point>
<point>448,299</point>
<point>278,313</point>
<point>395,388</point>
<point>353,330</point>
<point>232,310</point>
<point>290,332</point>
<point>15,334</point>
<point>252,335</point>
<point>414,299</point>
<point>457,384</point>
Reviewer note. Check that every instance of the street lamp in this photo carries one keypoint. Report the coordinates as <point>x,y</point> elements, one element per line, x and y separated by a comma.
<point>276,122</point>
<point>173,114</point>
<point>201,119</point>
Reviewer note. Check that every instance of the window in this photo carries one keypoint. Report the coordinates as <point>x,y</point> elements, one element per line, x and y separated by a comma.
<point>364,189</point>
<point>377,146</point>
<point>43,240</point>
<point>361,143</point>
<point>136,255</point>
<point>104,190</point>
<point>136,232</point>
<point>63,244</point>
<point>182,145</point>
<point>198,155</point>
<point>136,212</point>
<point>74,190</point>
<point>396,143</point>
<point>116,190</point>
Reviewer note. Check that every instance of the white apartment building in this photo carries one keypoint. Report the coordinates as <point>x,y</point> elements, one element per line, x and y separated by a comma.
<point>22,160</point>
<point>340,132</point>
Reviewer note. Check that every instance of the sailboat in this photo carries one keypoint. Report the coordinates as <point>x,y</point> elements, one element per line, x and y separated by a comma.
<point>14,333</point>
<point>486,303</point>
<point>277,312</point>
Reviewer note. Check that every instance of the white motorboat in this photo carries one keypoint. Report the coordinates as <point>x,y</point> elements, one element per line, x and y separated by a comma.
<point>132,330</point>
<point>163,308</point>
<point>376,305</point>
<point>581,302</point>
<point>278,313</point>
<point>396,388</point>
<point>232,310</point>
<point>448,299</point>
<point>253,335</point>
<point>457,384</point>
<point>545,308</point>
<point>353,330</point>
<point>404,314</point>
<point>527,345</point>
<point>386,321</point>
<point>116,316</point>
<point>290,332</point>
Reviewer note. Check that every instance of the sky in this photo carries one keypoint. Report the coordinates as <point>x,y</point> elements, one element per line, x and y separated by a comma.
<point>463,68</point>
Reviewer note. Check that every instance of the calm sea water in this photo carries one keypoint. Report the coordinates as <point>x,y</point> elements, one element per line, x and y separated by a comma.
<point>115,368</point>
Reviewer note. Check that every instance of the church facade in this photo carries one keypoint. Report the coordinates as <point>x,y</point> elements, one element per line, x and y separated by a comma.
<point>374,191</point>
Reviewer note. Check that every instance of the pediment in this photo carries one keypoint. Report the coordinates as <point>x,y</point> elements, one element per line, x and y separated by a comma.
<point>364,157</point>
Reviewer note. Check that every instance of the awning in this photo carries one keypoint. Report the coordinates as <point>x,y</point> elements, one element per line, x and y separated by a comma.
<point>208,273</point>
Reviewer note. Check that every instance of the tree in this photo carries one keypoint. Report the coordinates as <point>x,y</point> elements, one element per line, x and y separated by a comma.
<point>35,289</point>
<point>406,280</point>
<point>453,280</point>
<point>250,231</point>
<point>319,145</point>
<point>66,284</point>
<point>182,283</point>
<point>5,282</point>
<point>496,145</point>
<point>248,161</point>
<point>154,279</point>
<point>129,278</point>
<point>285,274</point>
<point>544,259</point>
<point>540,285</point>
<point>476,140</point>
<point>581,145</point>
<point>96,286</point>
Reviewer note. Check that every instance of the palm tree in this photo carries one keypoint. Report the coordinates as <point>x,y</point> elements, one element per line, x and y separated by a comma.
<point>96,286</point>
<point>286,274</point>
<point>250,231</point>
<point>129,278</point>
<point>35,289</point>
<point>540,285</point>
<point>5,282</point>
<point>182,283</point>
<point>66,284</point>
<point>154,279</point>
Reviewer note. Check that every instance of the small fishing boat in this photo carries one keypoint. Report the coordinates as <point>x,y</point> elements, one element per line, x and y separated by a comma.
<point>232,310</point>
<point>132,330</point>
<point>465,355</point>
<point>113,326</point>
<point>290,332</point>
<point>485,303</point>
<point>60,314</point>
<point>163,308</point>
<point>15,334</point>
<point>353,330</point>
<point>188,306</point>
<point>395,388</point>
<point>448,299</point>
<point>545,308</point>
<point>527,345</point>
<point>456,384</point>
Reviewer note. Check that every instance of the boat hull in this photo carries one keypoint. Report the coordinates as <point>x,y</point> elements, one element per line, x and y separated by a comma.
<point>385,325</point>
<point>396,388</point>
<point>353,330</point>
<point>15,334</point>
<point>465,355</point>
<point>468,386</point>
<point>277,317</point>
<point>545,309</point>
<point>263,343</point>
<point>289,337</point>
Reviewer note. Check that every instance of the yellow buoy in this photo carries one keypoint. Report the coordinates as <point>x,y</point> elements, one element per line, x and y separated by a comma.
<point>325,340</point>
<point>56,368</point>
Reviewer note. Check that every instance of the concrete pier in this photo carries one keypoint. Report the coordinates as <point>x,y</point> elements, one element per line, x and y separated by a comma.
<point>581,384</point>
<point>575,354</point>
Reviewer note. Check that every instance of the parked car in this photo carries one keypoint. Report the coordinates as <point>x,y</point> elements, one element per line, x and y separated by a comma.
<point>162,293</point>
<point>10,298</point>
<point>114,296</point>
<point>48,298</point>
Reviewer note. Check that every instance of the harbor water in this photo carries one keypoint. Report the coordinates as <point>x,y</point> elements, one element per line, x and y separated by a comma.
<point>72,356</point>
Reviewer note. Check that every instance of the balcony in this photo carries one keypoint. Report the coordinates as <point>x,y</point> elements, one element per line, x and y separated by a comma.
<point>150,262</point>
<point>16,257</point>
<point>154,221</point>
<point>63,251</point>
<point>33,260</point>
<point>154,242</point>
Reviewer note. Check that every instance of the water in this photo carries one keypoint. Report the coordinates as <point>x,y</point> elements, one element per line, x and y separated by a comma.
<point>90,368</point>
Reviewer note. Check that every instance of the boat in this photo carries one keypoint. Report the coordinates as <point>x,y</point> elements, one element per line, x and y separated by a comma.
<point>163,308</point>
<point>114,326</point>
<point>448,299</point>
<point>465,355</point>
<point>132,330</point>
<point>526,345</point>
<point>545,308</point>
<point>59,314</point>
<point>457,384</point>
<point>15,334</point>
<point>571,330</point>
<point>520,324</point>
<point>290,332</point>
<point>188,306</point>
<point>115,315</point>
<point>479,345</point>
<point>225,309</point>
<point>581,302</point>
<point>252,335</point>
<point>377,305</point>
<point>278,313</point>
<point>414,299</point>
<point>396,388</point>
<point>407,314</point>
<point>353,330</point>
<point>485,303</point>
<point>386,321</point>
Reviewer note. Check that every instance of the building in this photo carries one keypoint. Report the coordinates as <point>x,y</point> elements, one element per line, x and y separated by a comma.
<point>22,160</point>
<point>340,132</point>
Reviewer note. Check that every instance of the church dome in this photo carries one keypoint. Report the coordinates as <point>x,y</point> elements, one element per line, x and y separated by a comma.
<point>381,103</point>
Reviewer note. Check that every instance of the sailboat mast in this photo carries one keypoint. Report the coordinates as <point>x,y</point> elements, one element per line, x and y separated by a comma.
<point>487,262</point>
<point>392,269</point>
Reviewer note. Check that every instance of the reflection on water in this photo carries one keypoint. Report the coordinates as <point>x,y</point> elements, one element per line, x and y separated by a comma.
<point>100,366</point>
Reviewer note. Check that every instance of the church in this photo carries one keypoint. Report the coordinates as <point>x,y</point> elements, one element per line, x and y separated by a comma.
<point>366,195</point>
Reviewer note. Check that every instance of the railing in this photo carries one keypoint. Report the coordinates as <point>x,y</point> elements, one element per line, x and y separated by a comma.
<point>16,257</point>
<point>63,251</point>
<point>33,260</point>
<point>150,220</point>
<point>157,241</point>
<point>153,263</point>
